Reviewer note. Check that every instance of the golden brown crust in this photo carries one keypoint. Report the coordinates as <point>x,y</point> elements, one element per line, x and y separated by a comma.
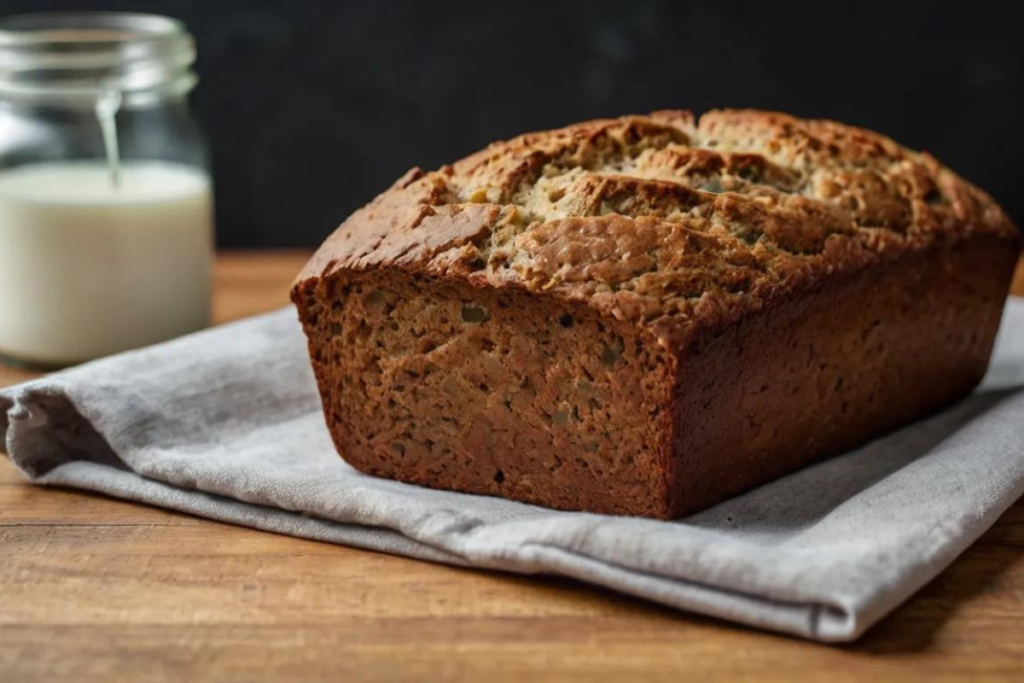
<point>664,220</point>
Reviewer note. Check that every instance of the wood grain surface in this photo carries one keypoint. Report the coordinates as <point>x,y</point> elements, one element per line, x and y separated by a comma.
<point>94,589</point>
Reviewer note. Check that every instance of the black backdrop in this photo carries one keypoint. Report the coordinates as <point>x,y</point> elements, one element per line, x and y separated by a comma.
<point>312,107</point>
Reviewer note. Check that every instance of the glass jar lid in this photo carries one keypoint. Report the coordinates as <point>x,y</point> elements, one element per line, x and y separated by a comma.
<point>81,55</point>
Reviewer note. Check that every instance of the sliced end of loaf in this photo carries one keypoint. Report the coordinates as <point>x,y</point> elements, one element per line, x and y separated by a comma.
<point>493,392</point>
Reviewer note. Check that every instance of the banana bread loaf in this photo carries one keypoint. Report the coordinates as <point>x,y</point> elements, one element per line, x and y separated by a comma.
<point>646,315</point>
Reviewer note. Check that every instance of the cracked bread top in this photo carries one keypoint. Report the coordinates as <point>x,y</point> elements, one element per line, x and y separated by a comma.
<point>664,220</point>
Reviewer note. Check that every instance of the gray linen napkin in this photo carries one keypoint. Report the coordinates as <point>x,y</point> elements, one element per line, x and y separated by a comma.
<point>226,424</point>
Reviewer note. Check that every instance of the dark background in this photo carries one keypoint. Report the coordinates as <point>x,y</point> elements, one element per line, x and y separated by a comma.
<point>313,107</point>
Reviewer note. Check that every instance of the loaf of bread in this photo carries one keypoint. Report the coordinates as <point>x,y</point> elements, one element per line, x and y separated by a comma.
<point>646,315</point>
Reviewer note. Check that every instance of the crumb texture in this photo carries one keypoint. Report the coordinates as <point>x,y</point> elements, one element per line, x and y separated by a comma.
<point>443,384</point>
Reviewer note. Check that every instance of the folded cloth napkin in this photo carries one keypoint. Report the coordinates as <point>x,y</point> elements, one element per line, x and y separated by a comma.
<point>226,424</point>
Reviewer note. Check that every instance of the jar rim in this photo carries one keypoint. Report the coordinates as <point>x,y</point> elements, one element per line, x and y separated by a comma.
<point>78,55</point>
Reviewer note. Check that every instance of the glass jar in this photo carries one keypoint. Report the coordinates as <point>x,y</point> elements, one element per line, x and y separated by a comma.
<point>106,216</point>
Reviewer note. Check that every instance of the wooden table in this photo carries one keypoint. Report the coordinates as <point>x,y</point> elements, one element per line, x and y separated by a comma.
<point>97,589</point>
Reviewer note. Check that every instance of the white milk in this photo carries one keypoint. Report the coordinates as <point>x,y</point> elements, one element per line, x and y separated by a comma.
<point>88,269</point>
